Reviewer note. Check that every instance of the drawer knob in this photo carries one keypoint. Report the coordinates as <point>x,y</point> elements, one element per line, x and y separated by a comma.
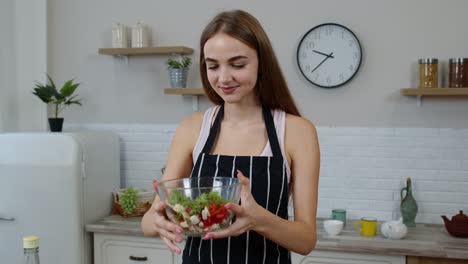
<point>138,258</point>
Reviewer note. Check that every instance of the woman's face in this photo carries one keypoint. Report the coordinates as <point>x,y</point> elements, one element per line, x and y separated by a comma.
<point>232,68</point>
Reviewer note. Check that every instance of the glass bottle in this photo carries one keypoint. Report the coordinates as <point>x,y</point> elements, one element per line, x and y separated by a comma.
<point>409,207</point>
<point>428,73</point>
<point>31,250</point>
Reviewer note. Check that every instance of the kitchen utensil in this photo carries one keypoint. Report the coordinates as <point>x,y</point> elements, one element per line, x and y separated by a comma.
<point>197,204</point>
<point>408,207</point>
<point>119,36</point>
<point>394,229</point>
<point>367,226</point>
<point>339,214</point>
<point>458,226</point>
<point>140,36</point>
<point>333,227</point>
<point>428,73</point>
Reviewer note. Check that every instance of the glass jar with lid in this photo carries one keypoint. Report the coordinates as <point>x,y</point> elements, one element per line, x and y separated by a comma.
<point>458,68</point>
<point>428,73</point>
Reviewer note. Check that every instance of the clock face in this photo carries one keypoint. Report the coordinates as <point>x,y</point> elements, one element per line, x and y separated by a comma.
<point>329,55</point>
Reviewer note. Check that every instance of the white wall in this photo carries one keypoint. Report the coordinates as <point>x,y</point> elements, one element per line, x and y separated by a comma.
<point>31,62</point>
<point>394,34</point>
<point>7,66</point>
<point>362,169</point>
<point>23,60</point>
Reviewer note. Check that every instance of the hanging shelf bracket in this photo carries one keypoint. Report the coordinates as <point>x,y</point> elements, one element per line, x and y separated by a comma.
<point>195,103</point>
<point>124,57</point>
<point>419,100</point>
<point>194,99</point>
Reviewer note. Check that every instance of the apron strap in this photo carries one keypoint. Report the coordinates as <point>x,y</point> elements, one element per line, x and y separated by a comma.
<point>269,124</point>
<point>271,130</point>
<point>214,131</point>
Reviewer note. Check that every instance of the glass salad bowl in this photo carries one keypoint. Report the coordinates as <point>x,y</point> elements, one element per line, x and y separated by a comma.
<point>197,204</point>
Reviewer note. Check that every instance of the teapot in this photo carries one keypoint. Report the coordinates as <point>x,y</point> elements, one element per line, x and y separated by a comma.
<point>394,229</point>
<point>458,226</point>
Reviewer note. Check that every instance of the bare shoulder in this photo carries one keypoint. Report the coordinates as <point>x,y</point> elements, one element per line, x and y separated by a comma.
<point>297,126</point>
<point>192,123</point>
<point>188,130</point>
<point>179,161</point>
<point>299,132</point>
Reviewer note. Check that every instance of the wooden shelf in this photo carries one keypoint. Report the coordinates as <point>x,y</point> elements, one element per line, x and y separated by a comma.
<point>167,50</point>
<point>193,92</point>
<point>435,91</point>
<point>146,51</point>
<point>184,91</point>
<point>420,92</point>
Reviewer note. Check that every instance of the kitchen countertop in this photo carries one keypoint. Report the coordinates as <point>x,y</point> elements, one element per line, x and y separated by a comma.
<point>428,240</point>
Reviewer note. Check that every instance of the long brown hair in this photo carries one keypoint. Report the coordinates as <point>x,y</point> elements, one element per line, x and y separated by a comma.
<point>271,87</point>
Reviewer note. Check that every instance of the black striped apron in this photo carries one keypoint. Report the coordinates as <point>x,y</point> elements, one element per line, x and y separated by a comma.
<point>269,187</point>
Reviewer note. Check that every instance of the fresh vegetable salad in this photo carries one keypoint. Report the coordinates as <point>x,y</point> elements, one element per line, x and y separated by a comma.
<point>203,214</point>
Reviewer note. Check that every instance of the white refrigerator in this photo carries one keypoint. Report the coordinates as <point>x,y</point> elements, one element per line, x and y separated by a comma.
<point>52,185</point>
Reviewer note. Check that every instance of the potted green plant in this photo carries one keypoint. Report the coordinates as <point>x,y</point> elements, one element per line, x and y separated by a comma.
<point>130,202</point>
<point>57,100</point>
<point>178,69</point>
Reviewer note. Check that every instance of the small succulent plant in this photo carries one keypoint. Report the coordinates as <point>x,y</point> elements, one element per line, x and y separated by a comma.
<point>180,63</point>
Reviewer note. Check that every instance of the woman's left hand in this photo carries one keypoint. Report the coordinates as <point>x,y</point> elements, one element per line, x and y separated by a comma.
<point>246,213</point>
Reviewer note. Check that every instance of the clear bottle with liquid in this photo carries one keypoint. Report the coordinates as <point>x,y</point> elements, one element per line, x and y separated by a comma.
<point>31,250</point>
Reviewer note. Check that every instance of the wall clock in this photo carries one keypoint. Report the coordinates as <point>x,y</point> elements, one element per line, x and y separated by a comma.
<point>329,55</point>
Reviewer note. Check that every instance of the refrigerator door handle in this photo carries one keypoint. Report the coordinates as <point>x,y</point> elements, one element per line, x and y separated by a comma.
<point>6,218</point>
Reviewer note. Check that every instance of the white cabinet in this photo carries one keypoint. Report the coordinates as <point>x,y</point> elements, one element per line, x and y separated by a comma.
<point>118,249</point>
<point>334,257</point>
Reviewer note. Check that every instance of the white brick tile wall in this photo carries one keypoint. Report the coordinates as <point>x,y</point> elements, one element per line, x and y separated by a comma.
<point>362,169</point>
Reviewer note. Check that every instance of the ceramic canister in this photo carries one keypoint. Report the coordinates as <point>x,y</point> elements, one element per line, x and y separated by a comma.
<point>119,36</point>
<point>140,36</point>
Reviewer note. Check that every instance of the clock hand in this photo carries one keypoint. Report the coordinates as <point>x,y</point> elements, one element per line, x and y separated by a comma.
<point>326,58</point>
<point>324,54</point>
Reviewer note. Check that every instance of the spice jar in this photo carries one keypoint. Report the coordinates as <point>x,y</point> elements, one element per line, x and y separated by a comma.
<point>457,72</point>
<point>428,73</point>
<point>465,69</point>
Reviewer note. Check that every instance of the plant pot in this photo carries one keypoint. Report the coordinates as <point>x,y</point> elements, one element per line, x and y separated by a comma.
<point>144,201</point>
<point>178,77</point>
<point>55,124</point>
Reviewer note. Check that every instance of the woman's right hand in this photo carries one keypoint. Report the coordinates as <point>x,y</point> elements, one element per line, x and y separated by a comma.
<point>156,222</point>
<point>168,231</point>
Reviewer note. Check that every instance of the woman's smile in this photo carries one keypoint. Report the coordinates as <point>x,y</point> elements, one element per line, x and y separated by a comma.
<point>228,89</point>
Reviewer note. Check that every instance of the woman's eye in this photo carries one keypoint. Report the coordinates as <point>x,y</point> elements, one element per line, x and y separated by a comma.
<point>212,67</point>
<point>238,65</point>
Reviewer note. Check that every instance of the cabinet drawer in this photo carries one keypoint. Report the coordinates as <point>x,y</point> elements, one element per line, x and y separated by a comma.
<point>116,249</point>
<point>335,257</point>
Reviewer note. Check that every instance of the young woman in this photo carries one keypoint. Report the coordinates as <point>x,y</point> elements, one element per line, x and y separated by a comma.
<point>254,132</point>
